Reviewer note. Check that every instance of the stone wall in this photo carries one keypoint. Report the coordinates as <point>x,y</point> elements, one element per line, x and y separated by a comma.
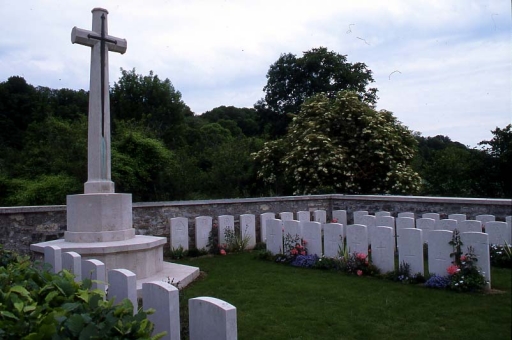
<point>22,226</point>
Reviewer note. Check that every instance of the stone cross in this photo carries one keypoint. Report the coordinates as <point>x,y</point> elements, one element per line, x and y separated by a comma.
<point>98,148</point>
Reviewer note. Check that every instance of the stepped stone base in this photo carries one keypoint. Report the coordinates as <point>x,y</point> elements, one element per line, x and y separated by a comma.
<point>142,255</point>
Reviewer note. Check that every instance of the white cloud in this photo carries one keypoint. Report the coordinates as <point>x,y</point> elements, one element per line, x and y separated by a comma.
<point>454,56</point>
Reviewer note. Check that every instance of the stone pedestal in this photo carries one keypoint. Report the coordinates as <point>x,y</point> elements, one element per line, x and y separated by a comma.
<point>99,218</point>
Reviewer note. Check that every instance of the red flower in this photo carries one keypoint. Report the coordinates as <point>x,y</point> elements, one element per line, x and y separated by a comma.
<point>303,252</point>
<point>361,256</point>
<point>452,269</point>
<point>294,251</point>
<point>334,220</point>
<point>463,258</point>
<point>222,252</point>
<point>359,272</point>
<point>304,242</point>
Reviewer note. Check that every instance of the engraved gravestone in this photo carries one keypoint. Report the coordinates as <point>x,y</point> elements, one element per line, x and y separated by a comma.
<point>179,233</point>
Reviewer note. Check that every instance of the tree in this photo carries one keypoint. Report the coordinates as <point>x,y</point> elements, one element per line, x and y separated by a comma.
<point>150,100</point>
<point>499,148</point>
<point>342,144</point>
<point>291,80</point>
<point>245,118</point>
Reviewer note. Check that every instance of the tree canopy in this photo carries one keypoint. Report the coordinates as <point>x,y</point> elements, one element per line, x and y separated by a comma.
<point>341,144</point>
<point>291,80</point>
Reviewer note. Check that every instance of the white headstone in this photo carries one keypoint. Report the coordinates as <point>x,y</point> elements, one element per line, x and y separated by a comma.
<point>358,214</point>
<point>446,224</point>
<point>385,221</point>
<point>263,224</point>
<point>497,231</point>
<point>427,225</point>
<point>211,318</point>
<point>320,216</point>
<point>480,244</point>
<point>333,233</point>
<point>303,216</point>
<point>53,256</point>
<point>404,222</point>
<point>164,299</point>
<point>248,229</point>
<point>410,250</point>
<point>225,222</point>
<point>275,236</point>
<point>312,234</point>
<point>434,216</point>
<point>439,251</point>
<point>370,223</point>
<point>383,250</point>
<point>340,216</point>
<point>458,217</point>
<point>293,228</point>
<point>72,262</point>
<point>406,214</point>
<point>357,238</point>
<point>485,218</point>
<point>95,271</point>
<point>470,226</point>
<point>203,229</point>
<point>179,233</point>
<point>122,284</point>
<point>382,213</point>
<point>286,216</point>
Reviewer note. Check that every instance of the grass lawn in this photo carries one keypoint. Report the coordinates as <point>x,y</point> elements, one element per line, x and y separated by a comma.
<point>276,301</point>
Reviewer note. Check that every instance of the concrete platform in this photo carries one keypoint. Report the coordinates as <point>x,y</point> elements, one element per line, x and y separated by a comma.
<point>172,272</point>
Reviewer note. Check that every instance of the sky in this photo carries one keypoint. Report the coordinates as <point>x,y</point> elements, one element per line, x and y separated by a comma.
<point>442,67</point>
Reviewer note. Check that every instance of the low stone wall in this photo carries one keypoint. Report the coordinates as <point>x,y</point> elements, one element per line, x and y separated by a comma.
<point>22,226</point>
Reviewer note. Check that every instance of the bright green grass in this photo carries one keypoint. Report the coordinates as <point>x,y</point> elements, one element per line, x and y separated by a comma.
<point>276,301</point>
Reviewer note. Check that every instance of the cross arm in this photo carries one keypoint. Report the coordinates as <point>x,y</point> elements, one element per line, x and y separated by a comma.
<point>82,37</point>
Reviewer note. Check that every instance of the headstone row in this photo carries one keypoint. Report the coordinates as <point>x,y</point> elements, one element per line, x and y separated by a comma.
<point>209,318</point>
<point>499,232</point>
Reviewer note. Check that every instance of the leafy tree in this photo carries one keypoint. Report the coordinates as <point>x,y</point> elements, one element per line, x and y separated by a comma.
<point>291,80</point>
<point>499,148</point>
<point>342,144</point>
<point>152,101</point>
<point>244,118</point>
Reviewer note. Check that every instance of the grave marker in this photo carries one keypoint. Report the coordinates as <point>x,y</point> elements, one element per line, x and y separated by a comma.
<point>275,236</point>
<point>497,232</point>
<point>446,224</point>
<point>470,226</point>
<point>179,233</point>
<point>263,224</point>
<point>427,225</point>
<point>383,250</point>
<point>333,233</point>
<point>248,229</point>
<point>357,239</point>
<point>225,222</point>
<point>439,251</point>
<point>358,214</point>
<point>312,233</point>
<point>410,250</point>
<point>203,229</point>
<point>480,244</point>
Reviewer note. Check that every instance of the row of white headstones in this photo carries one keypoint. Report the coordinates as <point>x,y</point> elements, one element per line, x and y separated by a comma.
<point>209,318</point>
<point>384,233</point>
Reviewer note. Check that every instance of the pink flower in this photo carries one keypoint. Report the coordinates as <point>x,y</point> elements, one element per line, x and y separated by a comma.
<point>304,242</point>
<point>361,256</point>
<point>334,220</point>
<point>359,272</point>
<point>222,252</point>
<point>294,251</point>
<point>303,252</point>
<point>463,258</point>
<point>452,269</point>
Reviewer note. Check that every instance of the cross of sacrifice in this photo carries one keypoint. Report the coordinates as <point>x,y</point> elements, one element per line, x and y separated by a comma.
<point>98,145</point>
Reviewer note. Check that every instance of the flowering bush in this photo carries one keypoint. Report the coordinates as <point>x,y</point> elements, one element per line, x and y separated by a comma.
<point>501,256</point>
<point>403,274</point>
<point>436,281</point>
<point>463,274</point>
<point>306,261</point>
<point>294,246</point>
<point>357,263</point>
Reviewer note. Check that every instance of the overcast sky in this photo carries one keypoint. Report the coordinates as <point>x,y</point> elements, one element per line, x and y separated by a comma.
<point>442,67</point>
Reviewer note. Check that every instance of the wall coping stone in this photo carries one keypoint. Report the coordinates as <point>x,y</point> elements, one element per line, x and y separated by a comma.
<point>334,197</point>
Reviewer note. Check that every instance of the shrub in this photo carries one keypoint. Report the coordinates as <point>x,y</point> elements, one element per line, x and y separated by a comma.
<point>436,281</point>
<point>37,304</point>
<point>501,256</point>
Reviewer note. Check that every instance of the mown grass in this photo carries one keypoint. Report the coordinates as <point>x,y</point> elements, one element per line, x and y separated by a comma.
<point>276,301</point>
